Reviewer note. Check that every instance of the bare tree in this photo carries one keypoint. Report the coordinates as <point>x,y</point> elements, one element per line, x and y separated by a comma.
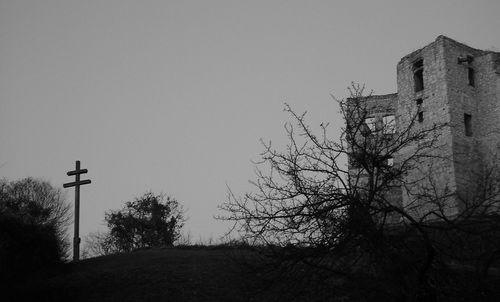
<point>37,200</point>
<point>367,209</point>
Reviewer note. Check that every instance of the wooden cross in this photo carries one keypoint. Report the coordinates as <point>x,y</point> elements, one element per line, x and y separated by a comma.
<point>77,183</point>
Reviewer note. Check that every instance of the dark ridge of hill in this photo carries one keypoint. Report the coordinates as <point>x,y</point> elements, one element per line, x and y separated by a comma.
<point>190,274</point>
<point>169,274</point>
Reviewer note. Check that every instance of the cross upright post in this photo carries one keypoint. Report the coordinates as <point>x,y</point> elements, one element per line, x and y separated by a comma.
<point>77,183</point>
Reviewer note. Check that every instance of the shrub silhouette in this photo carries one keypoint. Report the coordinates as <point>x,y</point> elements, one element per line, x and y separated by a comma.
<point>33,220</point>
<point>147,221</point>
<point>26,247</point>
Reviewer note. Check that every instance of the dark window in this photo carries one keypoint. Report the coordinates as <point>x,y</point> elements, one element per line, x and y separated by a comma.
<point>418,64</point>
<point>418,75</point>
<point>470,73</point>
<point>467,59</point>
<point>420,117</point>
<point>419,102</point>
<point>468,124</point>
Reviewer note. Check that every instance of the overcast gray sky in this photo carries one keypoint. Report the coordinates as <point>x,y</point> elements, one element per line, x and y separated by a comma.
<point>173,96</point>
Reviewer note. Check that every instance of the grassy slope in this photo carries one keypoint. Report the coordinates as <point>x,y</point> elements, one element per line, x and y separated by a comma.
<point>152,275</point>
<point>194,274</point>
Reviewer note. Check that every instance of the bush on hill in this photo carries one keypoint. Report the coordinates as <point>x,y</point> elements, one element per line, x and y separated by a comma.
<point>33,220</point>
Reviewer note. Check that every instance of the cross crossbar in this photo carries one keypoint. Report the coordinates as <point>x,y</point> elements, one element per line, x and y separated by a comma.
<point>76,183</point>
<point>75,172</point>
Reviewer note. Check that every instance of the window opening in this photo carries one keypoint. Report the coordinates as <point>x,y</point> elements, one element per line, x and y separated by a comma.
<point>389,122</point>
<point>370,122</point>
<point>390,161</point>
<point>467,59</point>
<point>468,124</point>
<point>470,74</point>
<point>419,102</point>
<point>418,75</point>
<point>420,116</point>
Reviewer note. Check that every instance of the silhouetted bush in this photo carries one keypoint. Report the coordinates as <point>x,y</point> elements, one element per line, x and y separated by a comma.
<point>148,221</point>
<point>26,247</point>
<point>33,220</point>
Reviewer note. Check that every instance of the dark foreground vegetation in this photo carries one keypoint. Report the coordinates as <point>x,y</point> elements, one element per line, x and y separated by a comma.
<point>33,221</point>
<point>220,273</point>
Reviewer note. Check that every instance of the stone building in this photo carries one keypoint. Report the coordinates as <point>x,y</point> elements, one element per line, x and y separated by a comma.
<point>457,86</point>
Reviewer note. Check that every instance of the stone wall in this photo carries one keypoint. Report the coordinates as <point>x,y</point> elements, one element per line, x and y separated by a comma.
<point>475,153</point>
<point>435,174</point>
<point>374,107</point>
<point>461,158</point>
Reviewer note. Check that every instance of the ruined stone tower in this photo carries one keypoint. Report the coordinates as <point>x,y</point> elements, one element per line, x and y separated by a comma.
<point>452,84</point>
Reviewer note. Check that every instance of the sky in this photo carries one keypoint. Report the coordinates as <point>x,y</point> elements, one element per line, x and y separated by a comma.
<point>174,96</point>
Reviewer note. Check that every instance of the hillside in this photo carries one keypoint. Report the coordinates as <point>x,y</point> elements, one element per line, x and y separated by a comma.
<point>191,274</point>
<point>205,274</point>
